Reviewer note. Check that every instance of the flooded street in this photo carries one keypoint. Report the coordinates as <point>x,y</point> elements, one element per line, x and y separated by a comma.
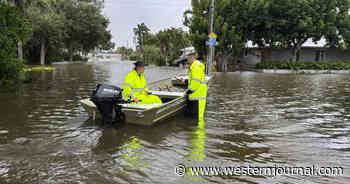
<point>252,119</point>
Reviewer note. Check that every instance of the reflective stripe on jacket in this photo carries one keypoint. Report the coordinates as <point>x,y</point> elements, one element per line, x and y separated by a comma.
<point>134,85</point>
<point>196,81</point>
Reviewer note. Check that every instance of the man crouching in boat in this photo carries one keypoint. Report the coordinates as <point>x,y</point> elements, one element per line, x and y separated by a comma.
<point>196,92</point>
<point>135,86</point>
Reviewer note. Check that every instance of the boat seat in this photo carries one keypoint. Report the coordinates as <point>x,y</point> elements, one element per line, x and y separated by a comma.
<point>90,104</point>
<point>141,106</point>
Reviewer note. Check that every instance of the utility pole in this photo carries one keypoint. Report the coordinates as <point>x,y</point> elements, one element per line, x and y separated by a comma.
<point>211,47</point>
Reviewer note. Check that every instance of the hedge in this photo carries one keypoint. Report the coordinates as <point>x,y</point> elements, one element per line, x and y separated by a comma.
<point>320,65</point>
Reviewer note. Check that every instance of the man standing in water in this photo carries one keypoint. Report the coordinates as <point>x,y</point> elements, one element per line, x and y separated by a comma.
<point>197,89</point>
<point>135,86</point>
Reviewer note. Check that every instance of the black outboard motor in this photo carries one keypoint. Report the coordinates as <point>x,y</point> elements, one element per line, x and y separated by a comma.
<point>107,99</point>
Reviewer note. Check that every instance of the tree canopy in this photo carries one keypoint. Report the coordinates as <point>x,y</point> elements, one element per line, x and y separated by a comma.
<point>162,46</point>
<point>171,41</point>
<point>63,28</point>
<point>269,23</point>
<point>12,29</point>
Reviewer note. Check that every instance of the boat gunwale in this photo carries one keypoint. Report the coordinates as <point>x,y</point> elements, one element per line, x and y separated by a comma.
<point>154,108</point>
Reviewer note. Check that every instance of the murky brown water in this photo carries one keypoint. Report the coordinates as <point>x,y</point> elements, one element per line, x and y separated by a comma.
<point>251,120</point>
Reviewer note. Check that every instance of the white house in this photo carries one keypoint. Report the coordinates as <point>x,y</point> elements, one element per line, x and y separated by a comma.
<point>309,52</point>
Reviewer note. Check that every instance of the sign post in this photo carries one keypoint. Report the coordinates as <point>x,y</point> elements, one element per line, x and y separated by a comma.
<point>212,39</point>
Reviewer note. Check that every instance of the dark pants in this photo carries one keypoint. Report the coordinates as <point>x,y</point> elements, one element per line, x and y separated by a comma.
<point>191,109</point>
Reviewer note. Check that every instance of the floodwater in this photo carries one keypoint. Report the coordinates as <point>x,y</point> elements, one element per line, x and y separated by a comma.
<point>252,119</point>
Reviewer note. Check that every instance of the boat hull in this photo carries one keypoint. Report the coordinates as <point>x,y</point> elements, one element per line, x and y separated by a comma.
<point>146,115</point>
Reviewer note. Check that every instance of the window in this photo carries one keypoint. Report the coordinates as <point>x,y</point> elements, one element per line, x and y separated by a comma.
<point>320,55</point>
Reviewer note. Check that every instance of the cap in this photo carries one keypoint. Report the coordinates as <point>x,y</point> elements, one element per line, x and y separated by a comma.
<point>139,63</point>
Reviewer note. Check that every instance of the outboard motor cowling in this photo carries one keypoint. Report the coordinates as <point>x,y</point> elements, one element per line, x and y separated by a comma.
<point>106,98</point>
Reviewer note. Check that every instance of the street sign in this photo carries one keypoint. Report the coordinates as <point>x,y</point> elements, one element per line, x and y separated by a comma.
<point>211,42</point>
<point>212,35</point>
<point>212,39</point>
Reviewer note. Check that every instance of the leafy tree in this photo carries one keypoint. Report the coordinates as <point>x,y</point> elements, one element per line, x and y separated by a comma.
<point>197,19</point>
<point>12,29</point>
<point>21,5</point>
<point>85,28</point>
<point>295,22</point>
<point>66,28</point>
<point>269,23</point>
<point>166,43</point>
<point>152,55</point>
<point>151,39</point>
<point>48,25</point>
<point>252,19</point>
<point>125,52</point>
<point>333,20</point>
<point>171,41</point>
<point>230,37</point>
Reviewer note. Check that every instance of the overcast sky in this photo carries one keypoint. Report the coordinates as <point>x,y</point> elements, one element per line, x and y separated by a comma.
<point>124,15</point>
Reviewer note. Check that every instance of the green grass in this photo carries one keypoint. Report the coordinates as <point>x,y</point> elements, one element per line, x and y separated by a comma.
<point>38,68</point>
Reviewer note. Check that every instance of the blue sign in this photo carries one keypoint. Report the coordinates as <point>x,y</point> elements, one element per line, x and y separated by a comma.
<point>212,39</point>
<point>211,42</point>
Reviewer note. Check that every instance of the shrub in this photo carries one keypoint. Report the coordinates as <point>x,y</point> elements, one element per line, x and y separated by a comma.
<point>78,57</point>
<point>153,56</point>
<point>320,65</point>
<point>135,57</point>
<point>11,69</point>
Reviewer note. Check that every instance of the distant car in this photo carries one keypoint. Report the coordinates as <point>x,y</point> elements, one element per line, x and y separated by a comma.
<point>179,62</point>
<point>183,58</point>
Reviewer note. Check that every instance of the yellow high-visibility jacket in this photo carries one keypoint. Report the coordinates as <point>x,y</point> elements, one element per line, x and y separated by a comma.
<point>135,86</point>
<point>196,81</point>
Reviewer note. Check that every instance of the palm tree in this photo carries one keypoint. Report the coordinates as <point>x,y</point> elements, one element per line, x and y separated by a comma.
<point>164,41</point>
<point>141,32</point>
